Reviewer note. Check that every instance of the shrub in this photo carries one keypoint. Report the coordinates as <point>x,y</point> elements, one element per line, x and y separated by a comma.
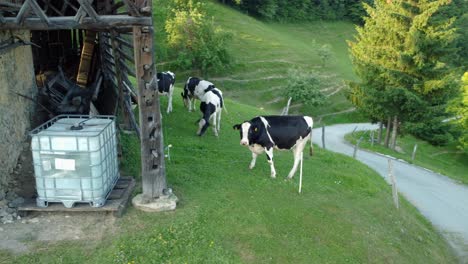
<point>194,38</point>
<point>305,87</point>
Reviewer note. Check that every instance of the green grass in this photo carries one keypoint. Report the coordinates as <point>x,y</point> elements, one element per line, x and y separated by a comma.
<point>230,214</point>
<point>264,52</point>
<point>446,160</point>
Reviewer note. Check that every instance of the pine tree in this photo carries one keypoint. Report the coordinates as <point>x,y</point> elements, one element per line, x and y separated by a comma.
<point>400,56</point>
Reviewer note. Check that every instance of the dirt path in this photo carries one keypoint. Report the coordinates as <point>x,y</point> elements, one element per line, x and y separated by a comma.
<point>20,236</point>
<point>441,200</point>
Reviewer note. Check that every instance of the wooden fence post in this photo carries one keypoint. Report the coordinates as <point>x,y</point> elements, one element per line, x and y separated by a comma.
<point>323,136</point>
<point>393,181</point>
<point>372,138</point>
<point>357,146</point>
<point>414,152</point>
<point>286,109</point>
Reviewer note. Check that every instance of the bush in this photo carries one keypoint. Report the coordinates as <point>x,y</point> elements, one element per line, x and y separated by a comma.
<point>196,41</point>
<point>434,131</point>
<point>305,87</point>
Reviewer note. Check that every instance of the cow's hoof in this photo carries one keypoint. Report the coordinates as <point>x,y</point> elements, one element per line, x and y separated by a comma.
<point>273,176</point>
<point>251,167</point>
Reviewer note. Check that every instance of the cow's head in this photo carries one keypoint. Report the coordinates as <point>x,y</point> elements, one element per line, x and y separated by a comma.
<point>249,132</point>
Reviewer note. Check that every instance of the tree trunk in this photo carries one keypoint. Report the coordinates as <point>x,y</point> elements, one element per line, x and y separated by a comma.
<point>379,136</point>
<point>394,133</point>
<point>387,133</point>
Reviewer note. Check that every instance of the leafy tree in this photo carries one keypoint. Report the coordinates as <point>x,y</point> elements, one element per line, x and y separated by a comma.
<point>401,55</point>
<point>305,87</point>
<point>198,43</point>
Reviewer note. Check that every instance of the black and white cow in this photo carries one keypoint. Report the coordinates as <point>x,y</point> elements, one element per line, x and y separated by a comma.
<point>211,106</point>
<point>264,133</point>
<point>166,82</point>
<point>194,88</point>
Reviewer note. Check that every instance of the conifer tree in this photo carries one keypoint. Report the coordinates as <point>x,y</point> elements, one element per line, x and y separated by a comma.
<point>400,54</point>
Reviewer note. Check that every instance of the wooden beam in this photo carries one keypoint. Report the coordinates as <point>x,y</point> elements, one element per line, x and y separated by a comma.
<point>21,16</point>
<point>132,8</point>
<point>153,168</point>
<point>87,7</point>
<point>105,22</point>
<point>38,11</point>
<point>124,42</point>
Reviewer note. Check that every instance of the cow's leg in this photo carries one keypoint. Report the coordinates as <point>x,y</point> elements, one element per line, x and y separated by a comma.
<point>169,96</point>
<point>215,130</point>
<point>254,159</point>
<point>297,157</point>
<point>269,153</point>
<point>219,119</point>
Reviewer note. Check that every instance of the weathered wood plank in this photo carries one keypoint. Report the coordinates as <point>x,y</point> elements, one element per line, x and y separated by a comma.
<point>38,11</point>
<point>126,67</point>
<point>151,139</point>
<point>124,42</point>
<point>132,8</point>
<point>86,5</point>
<point>21,16</point>
<point>105,22</point>
<point>115,203</point>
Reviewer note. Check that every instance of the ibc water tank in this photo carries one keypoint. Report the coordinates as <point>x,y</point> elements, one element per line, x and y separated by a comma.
<point>75,160</point>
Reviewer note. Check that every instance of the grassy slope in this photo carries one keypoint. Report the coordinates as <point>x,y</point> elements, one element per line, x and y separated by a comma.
<point>229,214</point>
<point>447,160</point>
<point>263,53</point>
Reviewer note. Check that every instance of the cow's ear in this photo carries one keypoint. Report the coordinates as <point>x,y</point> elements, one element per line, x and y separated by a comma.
<point>236,127</point>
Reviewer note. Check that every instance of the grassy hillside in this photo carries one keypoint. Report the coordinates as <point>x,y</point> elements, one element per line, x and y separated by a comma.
<point>447,160</point>
<point>229,214</point>
<point>264,52</point>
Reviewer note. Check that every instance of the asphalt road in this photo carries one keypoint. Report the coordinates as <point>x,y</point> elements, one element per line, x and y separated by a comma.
<point>441,200</point>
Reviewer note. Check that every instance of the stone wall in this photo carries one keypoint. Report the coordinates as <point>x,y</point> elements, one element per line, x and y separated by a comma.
<point>16,75</point>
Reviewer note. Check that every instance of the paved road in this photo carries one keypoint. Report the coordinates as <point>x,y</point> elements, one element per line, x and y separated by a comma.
<point>441,200</point>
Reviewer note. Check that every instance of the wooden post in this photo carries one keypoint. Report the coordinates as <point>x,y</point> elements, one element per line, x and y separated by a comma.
<point>372,138</point>
<point>286,109</point>
<point>357,146</point>
<point>300,173</point>
<point>414,152</point>
<point>393,182</point>
<point>323,136</point>
<point>152,149</point>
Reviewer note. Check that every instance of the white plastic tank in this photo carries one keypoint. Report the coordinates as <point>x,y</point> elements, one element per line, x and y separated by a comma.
<point>75,160</point>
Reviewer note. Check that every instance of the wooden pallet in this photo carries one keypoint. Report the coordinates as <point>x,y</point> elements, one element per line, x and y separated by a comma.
<point>116,202</point>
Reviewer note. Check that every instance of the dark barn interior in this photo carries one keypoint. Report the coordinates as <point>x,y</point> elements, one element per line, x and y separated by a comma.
<point>95,57</point>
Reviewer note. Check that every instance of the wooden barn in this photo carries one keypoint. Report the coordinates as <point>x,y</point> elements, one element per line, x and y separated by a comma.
<point>79,57</point>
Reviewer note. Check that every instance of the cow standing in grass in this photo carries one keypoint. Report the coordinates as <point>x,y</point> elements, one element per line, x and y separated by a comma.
<point>264,133</point>
<point>194,88</point>
<point>211,105</point>
<point>166,82</point>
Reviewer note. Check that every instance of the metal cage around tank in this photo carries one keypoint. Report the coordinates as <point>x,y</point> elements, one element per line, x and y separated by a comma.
<point>75,159</point>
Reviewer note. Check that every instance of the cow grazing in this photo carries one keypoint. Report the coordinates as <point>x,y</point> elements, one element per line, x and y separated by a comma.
<point>264,133</point>
<point>166,82</point>
<point>212,103</point>
<point>194,89</point>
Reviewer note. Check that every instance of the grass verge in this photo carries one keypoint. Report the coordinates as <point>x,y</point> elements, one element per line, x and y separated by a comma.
<point>446,160</point>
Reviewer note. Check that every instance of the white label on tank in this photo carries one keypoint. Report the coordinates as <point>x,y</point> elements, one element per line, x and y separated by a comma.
<point>46,165</point>
<point>65,164</point>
